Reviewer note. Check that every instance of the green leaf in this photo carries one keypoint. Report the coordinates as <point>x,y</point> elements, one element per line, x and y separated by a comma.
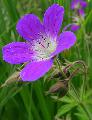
<point>65,108</point>
<point>66,99</point>
<point>82,114</point>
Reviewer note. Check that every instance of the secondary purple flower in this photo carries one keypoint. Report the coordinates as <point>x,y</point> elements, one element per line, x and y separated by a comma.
<point>42,43</point>
<point>77,4</point>
<point>75,27</point>
<point>81,12</point>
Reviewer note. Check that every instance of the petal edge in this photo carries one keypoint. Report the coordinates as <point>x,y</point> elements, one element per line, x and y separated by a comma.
<point>29,27</point>
<point>53,18</point>
<point>35,70</point>
<point>66,40</point>
<point>16,52</point>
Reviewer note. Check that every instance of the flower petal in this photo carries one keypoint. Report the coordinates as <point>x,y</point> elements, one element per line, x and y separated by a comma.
<point>29,27</point>
<point>53,18</point>
<point>75,4</point>
<point>65,41</point>
<point>75,27</point>
<point>83,4</point>
<point>81,12</point>
<point>35,70</point>
<point>16,52</point>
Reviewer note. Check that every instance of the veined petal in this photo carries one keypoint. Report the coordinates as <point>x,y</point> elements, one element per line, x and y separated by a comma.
<point>29,27</point>
<point>65,41</point>
<point>16,52</point>
<point>35,70</point>
<point>53,18</point>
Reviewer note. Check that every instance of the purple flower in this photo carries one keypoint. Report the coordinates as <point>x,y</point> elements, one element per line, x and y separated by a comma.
<point>75,27</point>
<point>42,43</point>
<point>77,4</point>
<point>81,12</point>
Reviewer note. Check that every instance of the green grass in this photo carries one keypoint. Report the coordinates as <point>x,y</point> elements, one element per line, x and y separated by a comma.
<point>30,101</point>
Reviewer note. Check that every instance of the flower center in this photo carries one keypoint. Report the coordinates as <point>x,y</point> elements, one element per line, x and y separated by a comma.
<point>43,47</point>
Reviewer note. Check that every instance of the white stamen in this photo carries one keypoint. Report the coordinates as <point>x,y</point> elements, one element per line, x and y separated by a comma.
<point>43,47</point>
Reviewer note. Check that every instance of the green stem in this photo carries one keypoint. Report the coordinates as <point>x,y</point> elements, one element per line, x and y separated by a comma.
<point>41,99</point>
<point>86,42</point>
<point>34,109</point>
<point>76,93</point>
<point>60,68</point>
<point>87,52</point>
<point>84,80</point>
<point>59,64</point>
<point>25,95</point>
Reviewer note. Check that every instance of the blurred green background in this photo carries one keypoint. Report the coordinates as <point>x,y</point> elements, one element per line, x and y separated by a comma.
<point>29,101</point>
